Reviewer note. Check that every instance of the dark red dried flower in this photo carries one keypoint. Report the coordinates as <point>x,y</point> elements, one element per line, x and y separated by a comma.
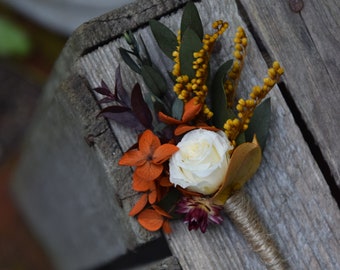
<point>199,212</point>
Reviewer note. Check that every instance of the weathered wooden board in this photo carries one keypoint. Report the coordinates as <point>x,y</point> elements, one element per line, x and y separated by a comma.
<point>289,191</point>
<point>67,192</point>
<point>307,43</point>
<point>77,197</point>
<point>103,29</point>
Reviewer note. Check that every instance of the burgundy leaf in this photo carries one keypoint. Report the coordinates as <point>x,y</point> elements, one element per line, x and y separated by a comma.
<point>140,108</point>
<point>113,109</point>
<point>103,84</point>
<point>104,90</point>
<point>120,90</point>
<point>106,100</point>
<point>126,119</point>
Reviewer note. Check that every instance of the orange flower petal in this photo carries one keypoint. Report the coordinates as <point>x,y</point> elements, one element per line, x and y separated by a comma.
<point>149,171</point>
<point>140,204</point>
<point>141,184</point>
<point>161,211</point>
<point>191,109</point>
<point>150,220</point>
<point>207,127</point>
<point>181,129</point>
<point>163,153</point>
<point>166,227</point>
<point>153,195</point>
<point>148,143</point>
<point>165,182</point>
<point>168,119</point>
<point>132,158</point>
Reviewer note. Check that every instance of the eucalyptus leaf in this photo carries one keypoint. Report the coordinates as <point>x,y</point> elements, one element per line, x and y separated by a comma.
<point>155,104</point>
<point>191,19</point>
<point>147,60</point>
<point>169,200</point>
<point>190,43</point>
<point>165,38</point>
<point>241,138</point>
<point>259,123</point>
<point>159,127</point>
<point>126,56</point>
<point>243,164</point>
<point>154,80</point>
<point>230,114</point>
<point>219,98</point>
<point>177,109</point>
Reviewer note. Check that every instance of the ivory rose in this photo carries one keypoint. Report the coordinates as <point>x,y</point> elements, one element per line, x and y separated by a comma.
<point>201,162</point>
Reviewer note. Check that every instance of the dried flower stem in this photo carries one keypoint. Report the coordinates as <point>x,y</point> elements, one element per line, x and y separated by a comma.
<point>240,210</point>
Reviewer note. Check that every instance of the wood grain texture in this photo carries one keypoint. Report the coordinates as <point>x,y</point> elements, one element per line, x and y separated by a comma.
<point>289,190</point>
<point>103,29</point>
<point>307,45</point>
<point>170,263</point>
<point>65,189</point>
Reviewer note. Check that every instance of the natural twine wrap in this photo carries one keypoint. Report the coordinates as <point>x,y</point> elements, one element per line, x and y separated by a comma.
<point>240,210</point>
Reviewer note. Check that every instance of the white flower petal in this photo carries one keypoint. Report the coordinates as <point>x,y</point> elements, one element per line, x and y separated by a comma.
<point>201,163</point>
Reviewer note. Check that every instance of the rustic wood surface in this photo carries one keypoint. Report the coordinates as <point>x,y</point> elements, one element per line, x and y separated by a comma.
<point>67,193</point>
<point>83,196</point>
<point>308,45</point>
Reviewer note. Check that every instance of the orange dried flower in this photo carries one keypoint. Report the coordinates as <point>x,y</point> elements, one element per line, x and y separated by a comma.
<point>149,156</point>
<point>191,109</point>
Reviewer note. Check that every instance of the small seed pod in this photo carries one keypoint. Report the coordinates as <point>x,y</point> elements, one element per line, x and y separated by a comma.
<point>296,5</point>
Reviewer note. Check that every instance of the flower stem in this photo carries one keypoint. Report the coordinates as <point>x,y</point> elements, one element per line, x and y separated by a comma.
<point>240,210</point>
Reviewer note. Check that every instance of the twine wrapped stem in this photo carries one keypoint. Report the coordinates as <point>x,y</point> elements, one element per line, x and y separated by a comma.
<point>240,210</point>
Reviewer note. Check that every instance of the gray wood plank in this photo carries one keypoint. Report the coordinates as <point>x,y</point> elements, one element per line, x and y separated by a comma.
<point>289,190</point>
<point>307,44</point>
<point>65,189</point>
<point>101,30</point>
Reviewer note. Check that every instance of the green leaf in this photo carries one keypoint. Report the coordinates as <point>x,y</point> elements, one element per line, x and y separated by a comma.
<point>165,38</point>
<point>14,40</point>
<point>259,123</point>
<point>167,203</point>
<point>177,109</point>
<point>190,43</point>
<point>243,164</point>
<point>147,60</point>
<point>131,40</point>
<point>154,80</point>
<point>159,127</point>
<point>219,98</point>
<point>191,19</point>
<point>126,56</point>
<point>154,103</point>
<point>241,138</point>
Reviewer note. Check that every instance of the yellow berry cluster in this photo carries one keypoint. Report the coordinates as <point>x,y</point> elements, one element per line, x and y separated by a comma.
<point>240,45</point>
<point>187,88</point>
<point>245,108</point>
<point>176,70</point>
<point>274,74</point>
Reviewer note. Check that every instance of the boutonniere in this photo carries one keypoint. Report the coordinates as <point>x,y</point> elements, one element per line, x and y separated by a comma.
<point>198,144</point>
